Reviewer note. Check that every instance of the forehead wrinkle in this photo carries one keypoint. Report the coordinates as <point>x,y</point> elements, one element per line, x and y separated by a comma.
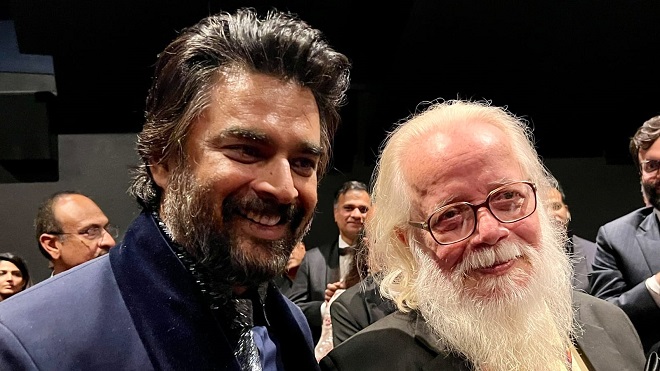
<point>429,185</point>
<point>422,193</point>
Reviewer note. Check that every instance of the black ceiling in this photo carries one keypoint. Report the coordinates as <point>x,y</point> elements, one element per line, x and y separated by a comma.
<point>585,73</point>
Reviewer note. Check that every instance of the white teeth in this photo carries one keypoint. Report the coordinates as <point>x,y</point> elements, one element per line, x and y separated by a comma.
<point>263,219</point>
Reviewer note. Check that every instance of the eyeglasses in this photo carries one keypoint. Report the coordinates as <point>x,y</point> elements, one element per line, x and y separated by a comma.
<point>94,233</point>
<point>650,166</point>
<point>456,222</point>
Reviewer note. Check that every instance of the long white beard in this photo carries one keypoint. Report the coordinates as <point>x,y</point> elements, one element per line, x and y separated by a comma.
<point>517,321</point>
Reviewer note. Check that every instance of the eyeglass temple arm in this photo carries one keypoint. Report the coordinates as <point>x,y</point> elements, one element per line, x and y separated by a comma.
<point>421,225</point>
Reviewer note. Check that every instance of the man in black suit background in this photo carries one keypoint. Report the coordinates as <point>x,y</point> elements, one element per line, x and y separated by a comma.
<point>358,307</point>
<point>285,280</point>
<point>324,268</point>
<point>580,250</point>
<point>626,269</point>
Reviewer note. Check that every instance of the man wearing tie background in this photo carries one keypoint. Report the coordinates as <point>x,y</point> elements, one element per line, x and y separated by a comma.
<point>324,267</point>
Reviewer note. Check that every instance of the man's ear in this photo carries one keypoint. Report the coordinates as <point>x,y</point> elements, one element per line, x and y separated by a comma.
<point>160,172</point>
<point>401,235</point>
<point>49,243</point>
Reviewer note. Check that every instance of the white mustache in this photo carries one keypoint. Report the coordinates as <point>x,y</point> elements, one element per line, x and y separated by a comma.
<point>489,257</point>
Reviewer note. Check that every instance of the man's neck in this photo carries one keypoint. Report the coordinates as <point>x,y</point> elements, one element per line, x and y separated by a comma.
<point>291,272</point>
<point>348,241</point>
<point>58,269</point>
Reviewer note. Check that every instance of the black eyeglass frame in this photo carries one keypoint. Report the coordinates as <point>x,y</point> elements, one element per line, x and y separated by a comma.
<point>426,225</point>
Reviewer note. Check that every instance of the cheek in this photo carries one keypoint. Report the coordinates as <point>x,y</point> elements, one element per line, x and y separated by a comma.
<point>528,232</point>
<point>307,193</point>
<point>648,178</point>
<point>221,181</point>
<point>445,256</point>
<point>448,256</point>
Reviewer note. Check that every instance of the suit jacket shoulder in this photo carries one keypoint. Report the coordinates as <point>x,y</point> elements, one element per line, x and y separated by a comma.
<point>399,341</point>
<point>72,325</point>
<point>627,253</point>
<point>607,338</point>
<point>585,248</point>
<point>311,278</point>
<point>634,217</point>
<point>583,259</point>
<point>358,307</point>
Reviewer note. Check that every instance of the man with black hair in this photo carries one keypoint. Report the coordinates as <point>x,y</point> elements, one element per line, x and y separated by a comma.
<point>626,269</point>
<point>240,116</point>
<point>325,267</point>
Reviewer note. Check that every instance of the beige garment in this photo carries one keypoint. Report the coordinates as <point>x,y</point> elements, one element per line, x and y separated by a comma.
<point>325,344</point>
<point>577,361</point>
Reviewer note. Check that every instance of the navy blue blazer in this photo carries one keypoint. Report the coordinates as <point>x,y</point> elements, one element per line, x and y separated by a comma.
<point>136,308</point>
<point>628,253</point>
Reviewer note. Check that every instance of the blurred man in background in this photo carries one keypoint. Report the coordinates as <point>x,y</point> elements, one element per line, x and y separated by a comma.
<point>626,269</point>
<point>580,250</point>
<point>72,229</point>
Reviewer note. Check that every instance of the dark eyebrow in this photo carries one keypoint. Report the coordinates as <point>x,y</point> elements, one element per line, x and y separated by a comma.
<point>312,149</point>
<point>263,139</point>
<point>245,134</point>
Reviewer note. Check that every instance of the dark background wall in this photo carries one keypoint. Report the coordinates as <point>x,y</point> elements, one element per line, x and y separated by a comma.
<point>74,76</point>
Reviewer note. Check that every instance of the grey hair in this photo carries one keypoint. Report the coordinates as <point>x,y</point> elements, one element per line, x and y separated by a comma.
<point>391,192</point>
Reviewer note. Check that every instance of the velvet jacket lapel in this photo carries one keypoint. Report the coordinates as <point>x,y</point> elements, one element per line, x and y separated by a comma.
<point>176,327</point>
<point>297,350</point>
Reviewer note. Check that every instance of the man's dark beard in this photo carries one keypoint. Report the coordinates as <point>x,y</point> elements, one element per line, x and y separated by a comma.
<point>228,259</point>
<point>652,194</point>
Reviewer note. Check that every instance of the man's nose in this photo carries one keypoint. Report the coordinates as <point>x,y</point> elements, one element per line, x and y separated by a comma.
<point>357,214</point>
<point>107,241</point>
<point>276,180</point>
<point>489,229</point>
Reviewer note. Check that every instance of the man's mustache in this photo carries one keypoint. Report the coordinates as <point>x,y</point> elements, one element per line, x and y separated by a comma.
<point>286,212</point>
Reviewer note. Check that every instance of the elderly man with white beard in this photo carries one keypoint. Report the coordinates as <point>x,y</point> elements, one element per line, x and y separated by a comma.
<point>476,269</point>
